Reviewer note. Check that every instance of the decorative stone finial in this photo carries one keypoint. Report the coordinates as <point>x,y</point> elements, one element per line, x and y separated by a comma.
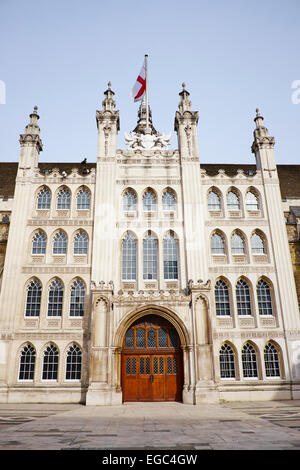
<point>185,104</point>
<point>109,85</point>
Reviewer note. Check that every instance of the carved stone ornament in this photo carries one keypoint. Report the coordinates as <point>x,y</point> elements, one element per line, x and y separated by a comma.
<point>147,141</point>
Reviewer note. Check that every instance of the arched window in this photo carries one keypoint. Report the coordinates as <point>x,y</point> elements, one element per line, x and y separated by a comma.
<point>80,244</point>
<point>39,244</point>
<point>251,201</point>
<point>233,203</point>
<point>249,361</point>
<point>129,258</point>
<point>129,201</point>
<point>44,199</point>
<point>150,258</point>
<point>264,298</point>
<point>217,244</point>
<point>243,298</point>
<point>50,363</point>
<point>77,299</point>
<point>27,363</point>
<point>237,244</point>
<point>73,364</point>
<point>83,199</point>
<point>222,298</point>
<point>227,365</point>
<point>170,257</point>
<point>257,244</point>
<point>63,199</point>
<point>55,299</point>
<point>168,201</point>
<point>149,201</point>
<point>60,244</point>
<point>271,361</point>
<point>33,299</point>
<point>213,201</point>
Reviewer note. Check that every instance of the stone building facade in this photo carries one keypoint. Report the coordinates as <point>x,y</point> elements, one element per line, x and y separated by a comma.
<point>148,276</point>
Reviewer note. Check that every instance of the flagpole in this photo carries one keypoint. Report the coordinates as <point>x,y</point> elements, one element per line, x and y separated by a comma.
<point>147,107</point>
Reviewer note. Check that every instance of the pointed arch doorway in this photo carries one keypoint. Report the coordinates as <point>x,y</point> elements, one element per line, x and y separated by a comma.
<point>152,363</point>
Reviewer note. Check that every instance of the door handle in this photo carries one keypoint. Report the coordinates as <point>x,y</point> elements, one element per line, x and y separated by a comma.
<point>151,378</point>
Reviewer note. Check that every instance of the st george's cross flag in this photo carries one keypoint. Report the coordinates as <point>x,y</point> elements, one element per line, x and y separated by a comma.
<point>139,87</point>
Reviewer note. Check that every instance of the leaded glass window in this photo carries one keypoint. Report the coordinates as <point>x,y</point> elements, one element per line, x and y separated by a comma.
<point>83,199</point>
<point>257,244</point>
<point>149,201</point>
<point>140,338</point>
<point>77,299</point>
<point>73,365</point>
<point>149,258</point>
<point>170,258</point>
<point>174,340</point>
<point>129,339</point>
<point>271,358</point>
<point>27,363</point>
<point>168,201</point>
<point>243,298</point>
<point>50,363</point>
<point>264,298</point>
<point>213,201</point>
<point>44,199</point>
<point>60,244</point>
<point>151,338</point>
<point>249,361</point>
<point>80,244</point>
<point>39,244</point>
<point>55,299</point>
<point>162,338</point>
<point>233,202</point>
<point>129,258</point>
<point>227,366</point>
<point>251,202</point>
<point>63,199</point>
<point>237,244</point>
<point>222,298</point>
<point>129,201</point>
<point>217,244</point>
<point>33,299</point>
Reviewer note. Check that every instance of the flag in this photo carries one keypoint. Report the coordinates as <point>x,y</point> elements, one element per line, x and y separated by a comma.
<point>139,87</point>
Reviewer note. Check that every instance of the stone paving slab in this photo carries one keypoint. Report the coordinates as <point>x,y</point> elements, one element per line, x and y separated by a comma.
<point>226,426</point>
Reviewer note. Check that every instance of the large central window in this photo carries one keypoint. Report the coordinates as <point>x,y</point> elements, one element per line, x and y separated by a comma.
<point>129,258</point>
<point>150,258</point>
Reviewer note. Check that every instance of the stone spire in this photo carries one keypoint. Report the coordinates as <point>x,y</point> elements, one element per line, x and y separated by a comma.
<point>108,124</point>
<point>186,127</point>
<point>108,104</point>
<point>32,132</point>
<point>184,104</point>
<point>142,121</point>
<point>262,138</point>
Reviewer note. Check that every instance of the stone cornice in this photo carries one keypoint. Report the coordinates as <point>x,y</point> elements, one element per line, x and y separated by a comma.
<point>31,140</point>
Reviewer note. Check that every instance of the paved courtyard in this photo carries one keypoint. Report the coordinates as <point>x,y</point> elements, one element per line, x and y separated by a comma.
<point>147,426</point>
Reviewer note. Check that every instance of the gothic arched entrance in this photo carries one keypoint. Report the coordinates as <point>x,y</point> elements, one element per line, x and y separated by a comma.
<point>152,365</point>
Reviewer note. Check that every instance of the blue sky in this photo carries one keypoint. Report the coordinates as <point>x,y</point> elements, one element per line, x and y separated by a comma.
<point>233,55</point>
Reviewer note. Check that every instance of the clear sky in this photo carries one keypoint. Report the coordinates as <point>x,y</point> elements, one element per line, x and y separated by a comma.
<point>233,55</point>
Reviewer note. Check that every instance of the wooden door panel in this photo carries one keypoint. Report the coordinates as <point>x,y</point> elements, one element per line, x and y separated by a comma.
<point>155,377</point>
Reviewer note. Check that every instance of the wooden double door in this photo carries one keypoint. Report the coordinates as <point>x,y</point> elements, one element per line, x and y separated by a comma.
<point>152,368</point>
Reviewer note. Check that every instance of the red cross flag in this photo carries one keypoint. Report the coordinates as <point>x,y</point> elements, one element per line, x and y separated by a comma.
<point>139,87</point>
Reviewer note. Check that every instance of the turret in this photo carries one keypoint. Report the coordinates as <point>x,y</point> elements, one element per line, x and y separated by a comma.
<point>263,147</point>
<point>186,127</point>
<point>31,144</point>
<point>108,124</point>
